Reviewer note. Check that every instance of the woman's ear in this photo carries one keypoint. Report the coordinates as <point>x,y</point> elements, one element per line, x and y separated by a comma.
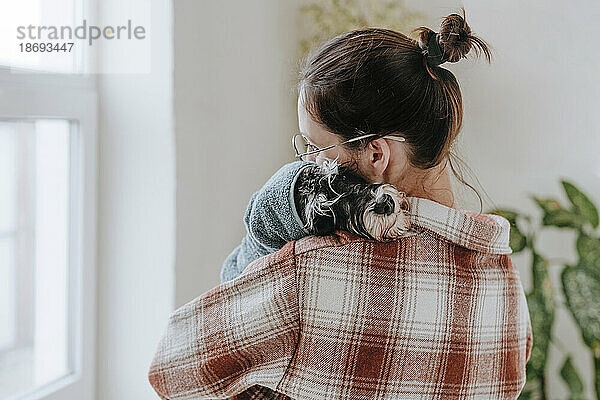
<point>380,155</point>
<point>374,160</point>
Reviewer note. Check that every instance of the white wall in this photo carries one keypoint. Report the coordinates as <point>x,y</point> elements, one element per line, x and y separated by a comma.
<point>136,221</point>
<point>234,115</point>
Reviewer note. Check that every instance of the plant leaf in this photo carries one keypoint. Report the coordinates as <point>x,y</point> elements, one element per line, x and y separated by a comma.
<point>541,324</point>
<point>541,280</point>
<point>562,219</point>
<point>517,240</point>
<point>557,215</point>
<point>526,393</point>
<point>582,291</point>
<point>588,249</point>
<point>582,205</point>
<point>540,302</point>
<point>572,379</point>
<point>547,205</point>
<point>510,215</point>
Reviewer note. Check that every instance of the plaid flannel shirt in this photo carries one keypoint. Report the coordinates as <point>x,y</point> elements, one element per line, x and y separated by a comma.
<point>437,313</point>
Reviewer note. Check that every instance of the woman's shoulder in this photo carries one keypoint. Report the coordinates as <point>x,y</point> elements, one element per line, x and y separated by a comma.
<point>344,241</point>
<point>484,233</point>
<point>436,250</point>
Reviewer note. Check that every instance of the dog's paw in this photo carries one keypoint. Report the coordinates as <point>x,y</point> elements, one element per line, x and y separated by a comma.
<point>385,218</point>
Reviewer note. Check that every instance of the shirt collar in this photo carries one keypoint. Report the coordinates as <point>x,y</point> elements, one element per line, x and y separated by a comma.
<point>488,233</point>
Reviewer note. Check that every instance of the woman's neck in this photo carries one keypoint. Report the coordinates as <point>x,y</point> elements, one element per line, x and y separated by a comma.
<point>432,184</point>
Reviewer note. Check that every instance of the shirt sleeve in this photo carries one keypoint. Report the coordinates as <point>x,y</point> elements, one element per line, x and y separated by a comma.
<point>271,220</point>
<point>237,335</point>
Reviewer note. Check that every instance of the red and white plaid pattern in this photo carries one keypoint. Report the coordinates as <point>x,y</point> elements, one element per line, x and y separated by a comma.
<point>439,313</point>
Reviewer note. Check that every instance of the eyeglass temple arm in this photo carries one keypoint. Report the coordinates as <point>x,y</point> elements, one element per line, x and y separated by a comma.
<point>398,138</point>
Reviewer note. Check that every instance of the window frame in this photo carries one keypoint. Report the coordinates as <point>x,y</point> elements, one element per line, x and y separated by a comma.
<point>29,95</point>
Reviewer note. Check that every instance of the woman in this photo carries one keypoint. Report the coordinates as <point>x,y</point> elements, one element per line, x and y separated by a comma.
<point>438,313</point>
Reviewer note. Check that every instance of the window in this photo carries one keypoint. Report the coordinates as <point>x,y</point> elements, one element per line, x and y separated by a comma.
<point>40,15</point>
<point>34,243</point>
<point>47,214</point>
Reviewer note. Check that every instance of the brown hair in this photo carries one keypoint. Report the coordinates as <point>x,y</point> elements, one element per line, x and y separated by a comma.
<point>376,80</point>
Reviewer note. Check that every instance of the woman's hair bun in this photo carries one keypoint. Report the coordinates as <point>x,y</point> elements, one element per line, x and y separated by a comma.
<point>455,38</point>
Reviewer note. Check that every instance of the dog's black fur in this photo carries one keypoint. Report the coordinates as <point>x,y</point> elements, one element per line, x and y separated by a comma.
<point>329,200</point>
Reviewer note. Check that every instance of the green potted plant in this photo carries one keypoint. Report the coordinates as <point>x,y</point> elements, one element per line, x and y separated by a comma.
<point>580,285</point>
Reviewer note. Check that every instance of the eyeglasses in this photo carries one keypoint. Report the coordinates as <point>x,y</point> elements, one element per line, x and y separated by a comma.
<point>302,145</point>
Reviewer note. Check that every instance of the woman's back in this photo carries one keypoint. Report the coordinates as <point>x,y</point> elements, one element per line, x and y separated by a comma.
<point>420,317</point>
<point>437,313</point>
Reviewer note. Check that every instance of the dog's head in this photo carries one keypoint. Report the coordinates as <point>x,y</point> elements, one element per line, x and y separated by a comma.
<point>385,215</point>
<point>336,197</point>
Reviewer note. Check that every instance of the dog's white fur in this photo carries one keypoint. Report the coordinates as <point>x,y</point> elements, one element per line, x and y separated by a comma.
<point>388,227</point>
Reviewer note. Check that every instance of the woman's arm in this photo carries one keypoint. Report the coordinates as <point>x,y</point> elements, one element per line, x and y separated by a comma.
<point>271,220</point>
<point>233,337</point>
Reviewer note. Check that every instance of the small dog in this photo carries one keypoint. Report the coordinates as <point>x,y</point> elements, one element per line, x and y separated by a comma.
<point>332,197</point>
